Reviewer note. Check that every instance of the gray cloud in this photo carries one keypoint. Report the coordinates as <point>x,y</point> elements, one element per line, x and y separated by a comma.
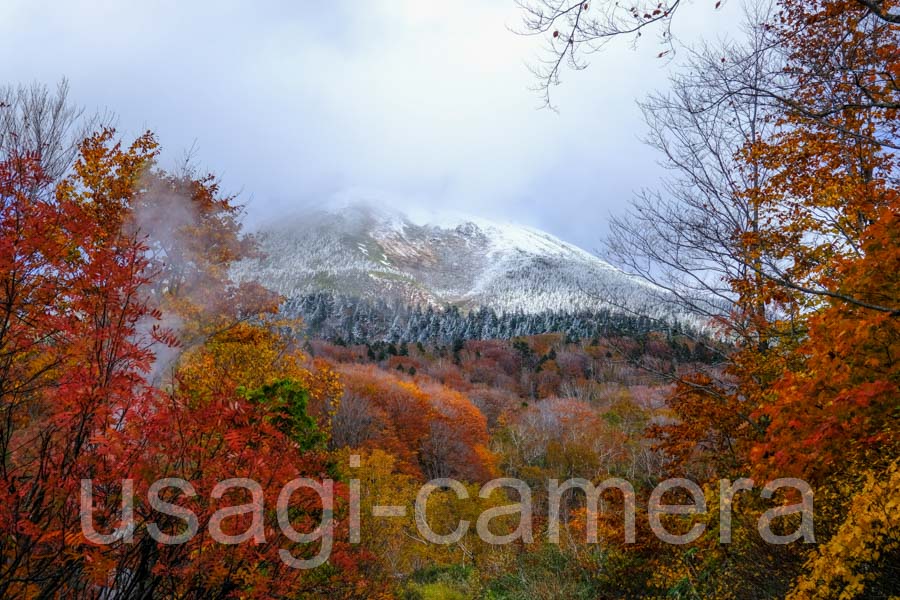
<point>422,103</point>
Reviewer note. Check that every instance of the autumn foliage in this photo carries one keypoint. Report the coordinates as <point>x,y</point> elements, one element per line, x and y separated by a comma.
<point>80,336</point>
<point>128,354</point>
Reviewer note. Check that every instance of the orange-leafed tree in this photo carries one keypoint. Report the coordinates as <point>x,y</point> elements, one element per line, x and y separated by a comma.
<point>193,233</point>
<point>433,430</point>
<point>831,241</point>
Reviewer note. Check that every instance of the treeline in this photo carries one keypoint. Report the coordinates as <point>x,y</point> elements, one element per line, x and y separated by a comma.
<point>675,348</point>
<point>351,320</point>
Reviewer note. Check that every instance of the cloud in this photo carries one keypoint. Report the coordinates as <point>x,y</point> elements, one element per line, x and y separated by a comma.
<point>426,103</point>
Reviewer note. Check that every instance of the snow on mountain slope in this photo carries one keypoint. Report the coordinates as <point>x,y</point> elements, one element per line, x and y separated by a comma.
<point>361,250</point>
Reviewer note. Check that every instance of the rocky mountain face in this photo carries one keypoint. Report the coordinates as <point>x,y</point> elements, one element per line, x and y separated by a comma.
<point>470,263</point>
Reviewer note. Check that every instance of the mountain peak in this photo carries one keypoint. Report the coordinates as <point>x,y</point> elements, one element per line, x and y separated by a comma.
<point>370,251</point>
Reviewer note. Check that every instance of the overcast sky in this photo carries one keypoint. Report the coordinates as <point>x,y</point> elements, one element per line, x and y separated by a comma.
<point>420,103</point>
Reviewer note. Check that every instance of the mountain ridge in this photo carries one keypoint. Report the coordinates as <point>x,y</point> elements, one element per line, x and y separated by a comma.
<point>467,262</point>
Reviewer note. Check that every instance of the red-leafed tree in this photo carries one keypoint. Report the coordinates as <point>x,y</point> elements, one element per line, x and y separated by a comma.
<point>75,342</point>
<point>79,329</point>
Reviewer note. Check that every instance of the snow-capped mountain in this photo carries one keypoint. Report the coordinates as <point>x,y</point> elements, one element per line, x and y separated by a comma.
<point>376,253</point>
